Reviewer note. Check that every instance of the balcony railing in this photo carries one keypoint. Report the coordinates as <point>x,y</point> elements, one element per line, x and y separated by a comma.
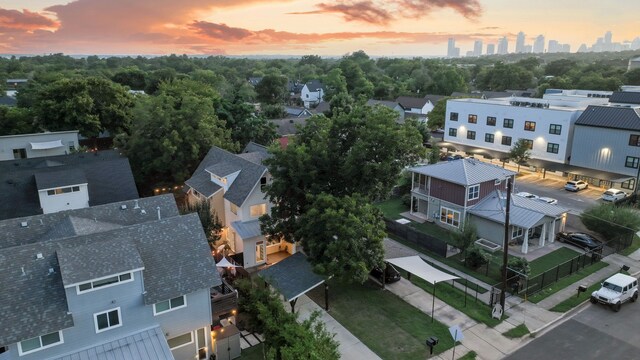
<point>422,189</point>
<point>224,299</point>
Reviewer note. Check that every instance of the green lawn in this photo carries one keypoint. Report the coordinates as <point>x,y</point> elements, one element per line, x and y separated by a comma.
<point>551,260</point>
<point>252,353</point>
<point>574,301</point>
<point>392,208</point>
<point>479,311</point>
<point>388,325</point>
<point>517,332</point>
<point>471,355</point>
<point>566,281</point>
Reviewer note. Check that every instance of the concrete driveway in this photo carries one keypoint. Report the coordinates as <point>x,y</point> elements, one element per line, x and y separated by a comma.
<point>576,202</point>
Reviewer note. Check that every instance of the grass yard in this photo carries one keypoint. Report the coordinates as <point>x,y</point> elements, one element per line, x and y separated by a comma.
<point>574,301</point>
<point>517,332</point>
<point>564,282</point>
<point>252,353</point>
<point>551,260</point>
<point>479,311</point>
<point>392,209</point>
<point>388,325</point>
<point>471,355</point>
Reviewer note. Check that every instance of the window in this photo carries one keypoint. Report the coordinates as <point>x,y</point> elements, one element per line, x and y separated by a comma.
<point>629,184</point>
<point>555,129</point>
<point>112,280</point>
<point>471,135</point>
<point>453,116</point>
<point>508,123</point>
<point>529,143</point>
<point>263,183</point>
<point>506,140</point>
<point>634,140</point>
<point>233,208</point>
<point>474,192</point>
<point>453,132</point>
<point>19,153</point>
<point>260,250</point>
<point>516,232</point>
<point>632,162</point>
<point>168,305</point>
<point>553,148</point>
<point>107,320</point>
<point>39,343</point>
<point>530,126</point>
<point>473,119</point>
<point>449,216</point>
<point>491,120</point>
<point>72,147</point>
<point>489,138</point>
<point>180,340</point>
<point>63,190</point>
<point>258,210</point>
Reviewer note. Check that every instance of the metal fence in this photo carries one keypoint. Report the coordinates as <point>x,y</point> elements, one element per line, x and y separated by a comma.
<point>419,238</point>
<point>532,285</point>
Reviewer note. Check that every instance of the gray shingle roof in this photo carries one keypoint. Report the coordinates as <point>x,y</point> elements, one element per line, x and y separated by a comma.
<point>255,153</point>
<point>613,117</point>
<point>248,229</point>
<point>409,102</point>
<point>523,212</point>
<point>625,97</point>
<point>223,168</point>
<point>55,179</point>
<point>314,85</point>
<point>292,276</point>
<point>249,176</point>
<point>288,126</point>
<point>108,175</point>
<point>201,182</point>
<point>149,344</point>
<point>434,98</point>
<point>390,104</point>
<point>465,172</point>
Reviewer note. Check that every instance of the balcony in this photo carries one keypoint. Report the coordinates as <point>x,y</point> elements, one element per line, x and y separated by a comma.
<point>224,299</point>
<point>421,189</point>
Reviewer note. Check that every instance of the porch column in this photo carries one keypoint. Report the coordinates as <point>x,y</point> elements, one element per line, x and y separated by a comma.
<point>411,206</point>
<point>543,236</point>
<point>564,221</point>
<point>552,236</point>
<point>525,242</point>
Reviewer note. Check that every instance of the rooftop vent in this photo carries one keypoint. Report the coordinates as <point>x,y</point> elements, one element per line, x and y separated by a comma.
<point>123,207</point>
<point>39,256</point>
<point>52,271</point>
<point>143,212</point>
<point>136,206</point>
<point>24,224</point>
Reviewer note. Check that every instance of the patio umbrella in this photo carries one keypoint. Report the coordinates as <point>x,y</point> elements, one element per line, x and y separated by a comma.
<point>224,263</point>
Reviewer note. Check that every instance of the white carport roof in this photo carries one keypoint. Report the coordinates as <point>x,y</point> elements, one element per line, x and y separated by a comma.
<point>418,267</point>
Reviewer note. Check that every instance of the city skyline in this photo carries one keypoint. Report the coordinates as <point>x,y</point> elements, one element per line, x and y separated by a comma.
<point>294,27</point>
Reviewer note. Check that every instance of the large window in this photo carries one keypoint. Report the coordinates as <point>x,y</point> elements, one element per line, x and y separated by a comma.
<point>553,148</point>
<point>471,135</point>
<point>506,140</point>
<point>263,183</point>
<point>258,210</point>
<point>107,320</point>
<point>453,116</point>
<point>530,126</point>
<point>450,216</point>
<point>516,232</point>
<point>473,119</point>
<point>528,143</point>
<point>453,132</point>
<point>112,280</point>
<point>39,343</point>
<point>632,162</point>
<point>474,192</point>
<point>508,123</point>
<point>63,190</point>
<point>634,140</point>
<point>180,341</point>
<point>168,305</point>
<point>629,184</point>
<point>491,120</point>
<point>555,129</point>
<point>489,138</point>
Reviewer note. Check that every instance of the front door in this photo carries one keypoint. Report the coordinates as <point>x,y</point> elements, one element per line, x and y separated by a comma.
<point>261,251</point>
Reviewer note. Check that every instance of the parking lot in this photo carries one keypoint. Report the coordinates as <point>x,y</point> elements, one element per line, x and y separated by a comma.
<point>576,202</point>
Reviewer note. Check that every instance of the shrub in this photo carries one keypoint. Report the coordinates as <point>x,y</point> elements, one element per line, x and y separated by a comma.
<point>475,257</point>
<point>519,264</point>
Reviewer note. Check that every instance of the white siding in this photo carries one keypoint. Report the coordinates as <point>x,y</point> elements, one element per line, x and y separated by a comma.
<point>66,201</point>
<point>11,142</point>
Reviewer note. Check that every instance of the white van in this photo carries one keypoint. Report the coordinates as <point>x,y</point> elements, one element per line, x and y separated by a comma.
<point>616,290</point>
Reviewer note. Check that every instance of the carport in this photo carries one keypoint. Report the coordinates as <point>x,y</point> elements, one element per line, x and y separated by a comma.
<point>294,277</point>
<point>418,267</point>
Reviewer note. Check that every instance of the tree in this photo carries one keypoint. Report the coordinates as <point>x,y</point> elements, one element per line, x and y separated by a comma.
<point>273,111</point>
<point>519,264</point>
<point>520,152</point>
<point>465,237</point>
<point>611,221</point>
<point>446,80</point>
<point>335,83</point>
<point>14,120</point>
<point>436,115</point>
<point>421,126</point>
<point>157,77</point>
<point>632,77</point>
<point>132,77</point>
<point>342,236</point>
<point>434,154</point>
<point>208,217</point>
<point>171,133</point>
<point>559,67</point>
<point>272,89</point>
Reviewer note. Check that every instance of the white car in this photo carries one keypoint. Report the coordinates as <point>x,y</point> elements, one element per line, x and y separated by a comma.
<point>527,195</point>
<point>616,290</point>
<point>548,200</point>
<point>613,195</point>
<point>575,185</point>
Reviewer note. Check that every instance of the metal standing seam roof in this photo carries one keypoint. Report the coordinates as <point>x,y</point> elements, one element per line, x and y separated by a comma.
<point>625,97</point>
<point>465,172</point>
<point>248,229</point>
<point>524,212</point>
<point>293,276</point>
<point>55,179</point>
<point>149,344</point>
<point>613,117</point>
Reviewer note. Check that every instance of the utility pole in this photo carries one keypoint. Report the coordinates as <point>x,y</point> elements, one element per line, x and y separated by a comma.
<point>505,249</point>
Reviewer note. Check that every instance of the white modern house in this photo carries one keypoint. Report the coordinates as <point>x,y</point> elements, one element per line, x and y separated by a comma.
<point>38,145</point>
<point>312,93</point>
<point>418,107</point>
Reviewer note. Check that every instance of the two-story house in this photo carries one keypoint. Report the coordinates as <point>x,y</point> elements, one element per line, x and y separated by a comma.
<point>312,93</point>
<point>24,146</point>
<point>129,280</point>
<point>418,107</point>
<point>233,184</point>
<point>66,182</point>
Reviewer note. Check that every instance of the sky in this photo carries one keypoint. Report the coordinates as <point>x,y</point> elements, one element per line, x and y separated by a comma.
<point>297,27</point>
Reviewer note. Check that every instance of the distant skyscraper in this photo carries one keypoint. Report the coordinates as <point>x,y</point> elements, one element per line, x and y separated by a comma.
<point>582,48</point>
<point>477,48</point>
<point>607,37</point>
<point>554,47</point>
<point>491,49</point>
<point>565,48</point>
<point>527,49</point>
<point>520,43</point>
<point>452,50</point>
<point>503,46</point>
<point>538,45</point>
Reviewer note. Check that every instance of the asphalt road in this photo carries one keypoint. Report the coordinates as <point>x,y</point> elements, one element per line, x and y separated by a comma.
<point>594,333</point>
<point>576,202</point>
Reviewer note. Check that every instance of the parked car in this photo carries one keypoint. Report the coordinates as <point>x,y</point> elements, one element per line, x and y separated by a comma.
<point>616,290</point>
<point>548,200</point>
<point>391,274</point>
<point>613,195</point>
<point>581,240</point>
<point>527,195</point>
<point>575,185</point>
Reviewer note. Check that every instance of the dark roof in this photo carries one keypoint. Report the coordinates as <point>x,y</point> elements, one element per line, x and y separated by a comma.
<point>288,126</point>
<point>322,107</point>
<point>174,252</point>
<point>55,179</point>
<point>223,168</point>
<point>107,173</point>
<point>390,104</point>
<point>255,153</point>
<point>434,98</point>
<point>314,85</point>
<point>625,97</point>
<point>409,102</point>
<point>8,101</point>
<point>249,176</point>
<point>612,117</point>
<point>296,111</point>
<point>201,182</point>
<point>292,276</point>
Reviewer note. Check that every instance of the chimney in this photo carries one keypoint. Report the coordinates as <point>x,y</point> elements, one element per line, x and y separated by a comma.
<point>159,217</point>
<point>136,206</point>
